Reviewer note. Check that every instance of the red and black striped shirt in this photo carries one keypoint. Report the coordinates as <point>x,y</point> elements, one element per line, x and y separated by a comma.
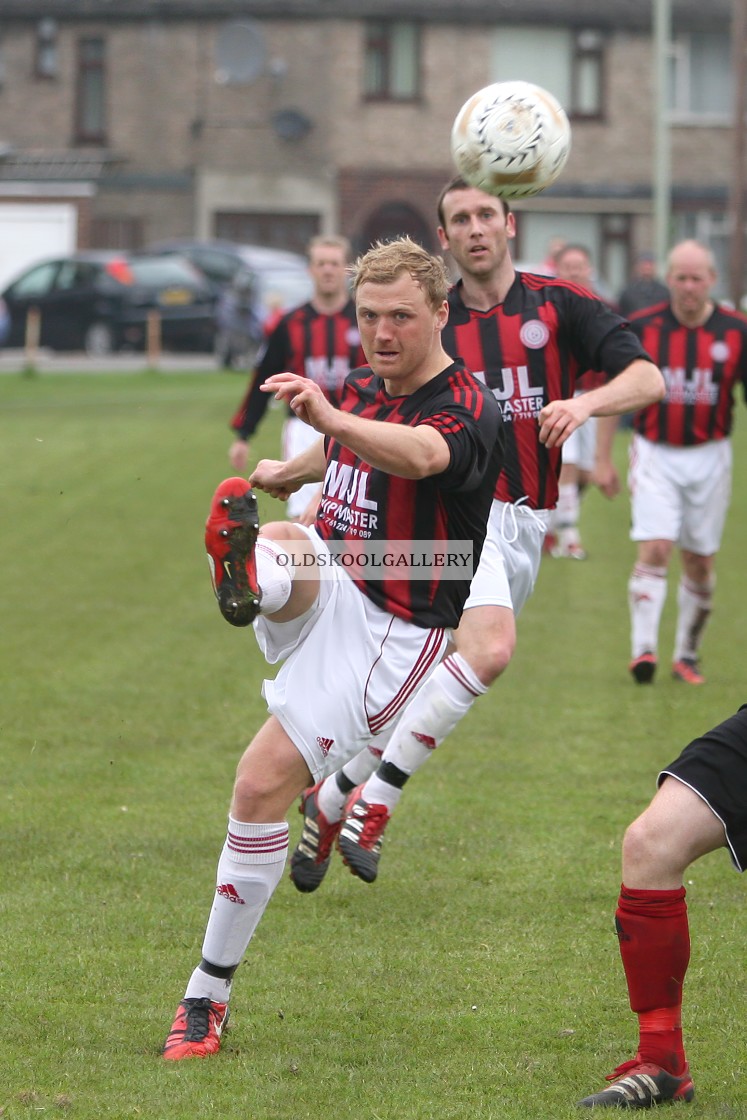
<point>322,347</point>
<point>701,367</point>
<point>530,350</point>
<point>362,503</point>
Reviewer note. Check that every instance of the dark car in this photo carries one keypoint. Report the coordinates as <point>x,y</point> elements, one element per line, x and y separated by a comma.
<point>280,278</point>
<point>101,302</point>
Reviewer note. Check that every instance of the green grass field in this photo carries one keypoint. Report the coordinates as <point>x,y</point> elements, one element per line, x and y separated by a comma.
<point>479,977</point>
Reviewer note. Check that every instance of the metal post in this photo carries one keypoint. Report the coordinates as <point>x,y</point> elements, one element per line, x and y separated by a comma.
<point>153,339</point>
<point>662,156</point>
<point>31,339</point>
<point>736,194</point>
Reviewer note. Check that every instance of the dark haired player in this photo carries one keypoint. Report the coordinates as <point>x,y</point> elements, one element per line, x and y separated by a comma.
<point>320,340</point>
<point>527,337</point>
<point>415,447</point>
<point>681,459</point>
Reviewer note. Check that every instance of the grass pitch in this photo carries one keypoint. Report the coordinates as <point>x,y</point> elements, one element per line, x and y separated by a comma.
<point>479,977</point>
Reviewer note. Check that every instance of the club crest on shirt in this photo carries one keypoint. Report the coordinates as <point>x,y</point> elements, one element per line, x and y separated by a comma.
<point>534,334</point>
<point>353,337</point>
<point>719,351</point>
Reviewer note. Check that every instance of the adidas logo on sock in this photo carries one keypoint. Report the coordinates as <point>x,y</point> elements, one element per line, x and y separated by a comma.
<point>229,892</point>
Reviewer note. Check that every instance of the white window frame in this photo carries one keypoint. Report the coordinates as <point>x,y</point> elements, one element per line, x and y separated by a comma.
<point>680,110</point>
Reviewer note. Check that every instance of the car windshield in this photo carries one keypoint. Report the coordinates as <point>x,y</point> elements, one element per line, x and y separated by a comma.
<point>36,282</point>
<point>161,272</point>
<point>283,288</point>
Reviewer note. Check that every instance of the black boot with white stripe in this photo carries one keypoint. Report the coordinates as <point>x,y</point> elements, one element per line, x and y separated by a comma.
<point>643,1086</point>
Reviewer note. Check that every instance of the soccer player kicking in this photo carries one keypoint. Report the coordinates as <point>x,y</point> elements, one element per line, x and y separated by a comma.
<point>412,453</point>
<point>528,337</point>
<point>700,805</point>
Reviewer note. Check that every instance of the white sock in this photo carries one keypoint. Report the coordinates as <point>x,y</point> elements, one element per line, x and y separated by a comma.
<point>694,602</point>
<point>437,708</point>
<point>275,572</point>
<point>647,591</point>
<point>250,867</point>
<point>331,798</point>
<point>569,505</point>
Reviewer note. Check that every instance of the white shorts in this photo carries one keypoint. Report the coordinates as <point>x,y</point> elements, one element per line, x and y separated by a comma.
<point>351,668</point>
<point>297,437</point>
<point>580,449</point>
<point>510,559</point>
<point>680,494</point>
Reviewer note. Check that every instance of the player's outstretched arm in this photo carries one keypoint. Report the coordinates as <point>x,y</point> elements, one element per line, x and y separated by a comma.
<point>639,384</point>
<point>398,449</point>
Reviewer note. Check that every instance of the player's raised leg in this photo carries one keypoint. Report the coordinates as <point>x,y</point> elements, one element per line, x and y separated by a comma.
<point>230,536</point>
<point>251,573</point>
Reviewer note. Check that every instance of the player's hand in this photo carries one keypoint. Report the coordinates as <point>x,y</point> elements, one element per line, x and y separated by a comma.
<point>605,477</point>
<point>304,396</point>
<point>270,475</point>
<point>238,455</point>
<point>559,419</point>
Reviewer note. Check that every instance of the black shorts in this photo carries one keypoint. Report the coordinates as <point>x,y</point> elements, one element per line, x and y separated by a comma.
<point>715,767</point>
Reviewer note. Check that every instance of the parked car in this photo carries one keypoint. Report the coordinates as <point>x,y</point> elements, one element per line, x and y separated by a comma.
<point>280,279</point>
<point>100,302</point>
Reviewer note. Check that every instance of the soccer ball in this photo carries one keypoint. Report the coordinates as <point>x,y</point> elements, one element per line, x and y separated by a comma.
<point>511,139</point>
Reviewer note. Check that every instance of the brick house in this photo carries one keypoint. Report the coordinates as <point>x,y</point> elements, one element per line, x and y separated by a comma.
<point>269,120</point>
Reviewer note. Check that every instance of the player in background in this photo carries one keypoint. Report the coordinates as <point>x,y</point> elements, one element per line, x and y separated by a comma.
<point>319,340</point>
<point>681,459</point>
<point>700,805</point>
<point>573,263</point>
<point>412,454</point>
<point>554,245</point>
<point>644,288</point>
<point>527,337</point>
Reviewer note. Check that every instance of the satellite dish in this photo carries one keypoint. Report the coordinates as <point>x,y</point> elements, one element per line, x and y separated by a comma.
<point>239,52</point>
<point>291,124</point>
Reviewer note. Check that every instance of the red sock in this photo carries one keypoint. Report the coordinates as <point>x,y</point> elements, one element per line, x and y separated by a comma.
<point>655,949</point>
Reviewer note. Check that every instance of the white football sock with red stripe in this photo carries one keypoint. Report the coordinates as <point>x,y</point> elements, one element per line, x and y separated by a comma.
<point>250,867</point>
<point>437,708</point>
<point>647,591</point>
<point>569,506</point>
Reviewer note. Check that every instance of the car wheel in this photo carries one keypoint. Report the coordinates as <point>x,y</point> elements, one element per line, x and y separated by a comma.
<point>99,340</point>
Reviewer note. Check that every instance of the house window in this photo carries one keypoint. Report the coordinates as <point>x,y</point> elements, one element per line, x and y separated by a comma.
<point>392,61</point>
<point>568,63</point>
<point>117,233</point>
<point>586,75</point>
<point>280,230</point>
<point>90,99</point>
<point>713,229</point>
<point>700,78</point>
<point>47,55</point>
